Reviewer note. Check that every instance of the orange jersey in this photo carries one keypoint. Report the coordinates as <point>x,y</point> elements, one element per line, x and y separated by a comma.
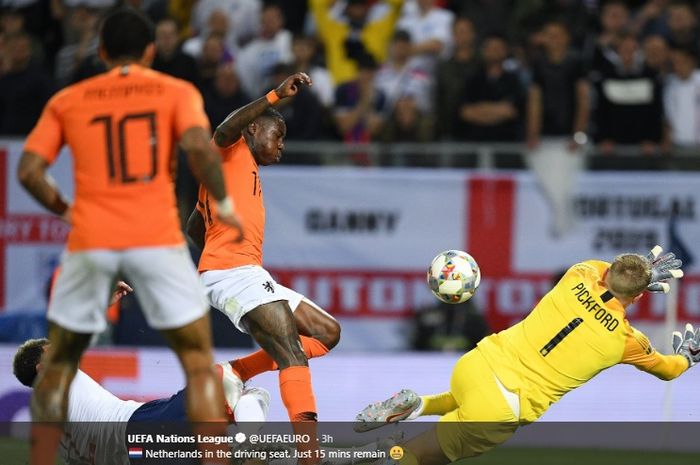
<point>122,127</point>
<point>243,185</point>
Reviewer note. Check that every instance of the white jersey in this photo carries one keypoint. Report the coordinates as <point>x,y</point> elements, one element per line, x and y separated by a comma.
<point>96,426</point>
<point>436,24</point>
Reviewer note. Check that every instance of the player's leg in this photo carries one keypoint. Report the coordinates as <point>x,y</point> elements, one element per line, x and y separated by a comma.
<point>272,326</point>
<point>319,333</point>
<point>168,288</point>
<point>76,311</point>
<point>404,405</point>
<point>49,402</point>
<point>193,346</point>
<point>483,420</point>
<point>314,322</point>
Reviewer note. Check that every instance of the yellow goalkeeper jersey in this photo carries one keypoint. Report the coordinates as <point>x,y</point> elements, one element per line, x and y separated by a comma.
<point>576,331</point>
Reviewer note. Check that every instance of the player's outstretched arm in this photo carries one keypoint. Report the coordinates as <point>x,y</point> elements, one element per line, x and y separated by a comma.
<point>196,229</point>
<point>640,353</point>
<point>231,129</point>
<point>32,174</point>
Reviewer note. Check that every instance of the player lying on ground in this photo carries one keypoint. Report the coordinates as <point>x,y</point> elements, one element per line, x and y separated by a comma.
<point>289,328</point>
<point>576,331</point>
<point>122,128</point>
<point>91,403</point>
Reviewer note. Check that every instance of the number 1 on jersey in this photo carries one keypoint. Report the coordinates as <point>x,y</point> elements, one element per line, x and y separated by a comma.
<point>565,331</point>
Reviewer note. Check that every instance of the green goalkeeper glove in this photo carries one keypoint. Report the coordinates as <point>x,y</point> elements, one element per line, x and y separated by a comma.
<point>687,344</point>
<point>663,268</point>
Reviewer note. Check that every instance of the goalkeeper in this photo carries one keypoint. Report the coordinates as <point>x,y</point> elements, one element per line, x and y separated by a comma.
<point>576,331</point>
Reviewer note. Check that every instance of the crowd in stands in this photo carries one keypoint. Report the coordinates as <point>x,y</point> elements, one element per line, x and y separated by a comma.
<point>614,72</point>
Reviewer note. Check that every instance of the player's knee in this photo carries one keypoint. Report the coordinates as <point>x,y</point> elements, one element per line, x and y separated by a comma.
<point>330,336</point>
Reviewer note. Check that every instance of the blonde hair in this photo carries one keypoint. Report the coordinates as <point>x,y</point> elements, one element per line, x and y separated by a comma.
<point>629,275</point>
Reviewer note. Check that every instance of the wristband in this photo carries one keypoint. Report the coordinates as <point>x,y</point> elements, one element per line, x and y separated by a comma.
<point>272,97</point>
<point>225,207</point>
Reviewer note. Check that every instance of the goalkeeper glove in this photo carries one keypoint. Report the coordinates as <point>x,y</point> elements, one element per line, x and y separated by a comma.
<point>663,268</point>
<point>687,344</point>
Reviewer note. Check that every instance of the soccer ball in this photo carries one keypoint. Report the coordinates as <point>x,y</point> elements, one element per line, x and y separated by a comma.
<point>454,276</point>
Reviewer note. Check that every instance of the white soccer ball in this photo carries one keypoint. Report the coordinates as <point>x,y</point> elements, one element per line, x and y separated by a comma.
<point>454,276</point>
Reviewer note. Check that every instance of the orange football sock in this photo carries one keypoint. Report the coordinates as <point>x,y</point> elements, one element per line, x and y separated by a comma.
<point>298,397</point>
<point>260,362</point>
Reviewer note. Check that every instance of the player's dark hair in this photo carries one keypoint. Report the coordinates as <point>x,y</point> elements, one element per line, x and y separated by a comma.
<point>125,34</point>
<point>271,113</point>
<point>26,359</point>
<point>629,275</point>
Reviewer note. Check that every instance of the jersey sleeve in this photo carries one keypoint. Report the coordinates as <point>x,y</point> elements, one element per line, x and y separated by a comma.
<point>640,353</point>
<point>189,110</point>
<point>46,139</point>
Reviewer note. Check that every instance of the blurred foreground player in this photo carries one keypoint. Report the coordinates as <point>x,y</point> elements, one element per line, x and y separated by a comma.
<point>122,127</point>
<point>576,331</point>
<point>98,421</point>
<point>289,328</point>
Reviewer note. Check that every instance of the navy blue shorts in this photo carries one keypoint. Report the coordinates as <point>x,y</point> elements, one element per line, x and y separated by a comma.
<point>162,410</point>
<point>161,416</point>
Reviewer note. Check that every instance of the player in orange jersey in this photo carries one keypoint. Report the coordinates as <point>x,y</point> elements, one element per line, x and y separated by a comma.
<point>289,328</point>
<point>122,127</point>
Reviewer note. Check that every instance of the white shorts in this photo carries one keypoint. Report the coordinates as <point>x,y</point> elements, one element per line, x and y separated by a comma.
<point>164,279</point>
<point>239,290</point>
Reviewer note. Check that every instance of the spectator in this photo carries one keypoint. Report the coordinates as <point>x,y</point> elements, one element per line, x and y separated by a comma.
<point>358,105</point>
<point>656,55</point>
<point>650,19</point>
<point>170,59</point>
<point>304,114</point>
<point>12,22</point>
<point>398,76</point>
<point>682,26</point>
<point>218,25</point>
<point>559,93</point>
<point>24,87</point>
<point>430,29</point>
<point>241,18</point>
<point>213,55</point>
<point>304,50</point>
<point>614,20</point>
<point>408,122</point>
<point>682,107</point>
<point>224,95</point>
<point>451,74</point>
<point>181,11</point>
<point>259,57</point>
<point>80,59</point>
<point>557,118</point>
<point>493,99</point>
<point>630,104</point>
<point>349,40</point>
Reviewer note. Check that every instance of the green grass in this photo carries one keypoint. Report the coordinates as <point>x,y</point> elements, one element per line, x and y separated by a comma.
<point>16,452</point>
<point>539,456</point>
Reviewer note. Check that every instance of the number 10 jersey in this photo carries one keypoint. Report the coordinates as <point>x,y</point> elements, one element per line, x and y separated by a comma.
<point>122,128</point>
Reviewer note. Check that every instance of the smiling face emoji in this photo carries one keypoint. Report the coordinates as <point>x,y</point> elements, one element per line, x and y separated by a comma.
<point>396,452</point>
